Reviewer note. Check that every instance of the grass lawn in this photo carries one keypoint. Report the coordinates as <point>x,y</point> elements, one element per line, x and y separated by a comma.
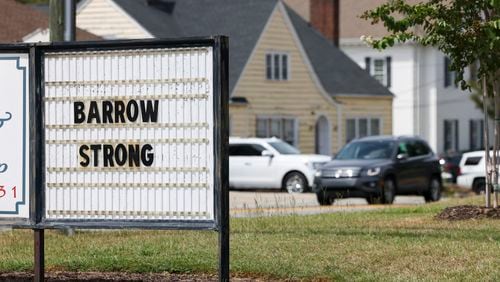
<point>389,244</point>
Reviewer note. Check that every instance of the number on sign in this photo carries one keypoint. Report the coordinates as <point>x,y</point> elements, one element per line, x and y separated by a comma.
<point>3,192</point>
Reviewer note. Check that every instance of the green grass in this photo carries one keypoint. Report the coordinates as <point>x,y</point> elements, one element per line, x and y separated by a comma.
<point>390,244</point>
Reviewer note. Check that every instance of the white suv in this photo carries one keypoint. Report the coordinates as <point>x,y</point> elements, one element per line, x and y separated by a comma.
<point>271,163</point>
<point>472,169</point>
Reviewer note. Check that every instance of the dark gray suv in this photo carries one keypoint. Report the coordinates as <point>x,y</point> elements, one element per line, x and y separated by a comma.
<point>379,168</point>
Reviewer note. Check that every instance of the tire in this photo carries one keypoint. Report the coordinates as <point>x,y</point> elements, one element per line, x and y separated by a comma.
<point>479,186</point>
<point>433,193</point>
<point>374,200</point>
<point>295,182</point>
<point>389,192</point>
<point>324,199</point>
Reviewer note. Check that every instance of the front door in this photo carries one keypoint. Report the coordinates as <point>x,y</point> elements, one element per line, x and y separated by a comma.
<point>407,168</point>
<point>248,168</point>
<point>322,136</point>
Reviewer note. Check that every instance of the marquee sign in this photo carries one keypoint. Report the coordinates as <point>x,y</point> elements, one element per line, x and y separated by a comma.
<point>115,134</point>
<point>127,134</point>
<point>14,136</point>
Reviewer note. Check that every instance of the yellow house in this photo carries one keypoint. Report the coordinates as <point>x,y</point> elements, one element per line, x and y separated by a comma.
<point>286,80</point>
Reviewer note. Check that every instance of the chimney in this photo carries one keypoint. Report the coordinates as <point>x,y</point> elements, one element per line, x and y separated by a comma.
<point>325,18</point>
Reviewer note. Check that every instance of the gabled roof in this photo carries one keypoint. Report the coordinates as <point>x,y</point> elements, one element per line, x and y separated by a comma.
<point>18,20</point>
<point>244,21</point>
<point>241,20</point>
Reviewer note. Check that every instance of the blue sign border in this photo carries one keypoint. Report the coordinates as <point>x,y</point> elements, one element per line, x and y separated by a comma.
<point>23,69</point>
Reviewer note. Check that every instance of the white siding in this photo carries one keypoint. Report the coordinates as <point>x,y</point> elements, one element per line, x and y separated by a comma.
<point>453,103</point>
<point>106,19</point>
<point>401,80</point>
<point>421,102</point>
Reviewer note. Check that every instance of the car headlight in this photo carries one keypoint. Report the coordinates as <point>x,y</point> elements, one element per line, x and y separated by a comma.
<point>317,165</point>
<point>318,173</point>
<point>314,165</point>
<point>373,171</point>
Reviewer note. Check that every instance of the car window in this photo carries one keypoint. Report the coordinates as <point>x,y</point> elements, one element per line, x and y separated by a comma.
<point>421,148</point>
<point>367,150</point>
<point>245,150</point>
<point>473,160</point>
<point>408,148</point>
<point>284,148</point>
<point>403,148</point>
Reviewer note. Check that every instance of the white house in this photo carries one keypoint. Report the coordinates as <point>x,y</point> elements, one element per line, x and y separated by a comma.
<point>427,102</point>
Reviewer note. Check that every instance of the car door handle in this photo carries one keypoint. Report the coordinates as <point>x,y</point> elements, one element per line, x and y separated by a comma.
<point>248,163</point>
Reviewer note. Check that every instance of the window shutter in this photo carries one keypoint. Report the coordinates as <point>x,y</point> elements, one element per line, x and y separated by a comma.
<point>472,135</point>
<point>481,134</point>
<point>269,66</point>
<point>388,61</point>
<point>447,77</point>
<point>446,135</point>
<point>457,144</point>
<point>367,64</point>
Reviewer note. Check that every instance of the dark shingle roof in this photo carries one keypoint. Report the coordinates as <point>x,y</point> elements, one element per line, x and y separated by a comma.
<point>338,74</point>
<point>243,21</point>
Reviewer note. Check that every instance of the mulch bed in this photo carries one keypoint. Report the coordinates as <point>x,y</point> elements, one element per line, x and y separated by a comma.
<point>56,276</point>
<point>468,212</point>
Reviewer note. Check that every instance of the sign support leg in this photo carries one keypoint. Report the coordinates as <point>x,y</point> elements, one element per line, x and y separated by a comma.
<point>39,255</point>
<point>224,240</point>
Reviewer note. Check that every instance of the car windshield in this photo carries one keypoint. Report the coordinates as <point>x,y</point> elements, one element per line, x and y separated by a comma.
<point>284,148</point>
<point>367,150</point>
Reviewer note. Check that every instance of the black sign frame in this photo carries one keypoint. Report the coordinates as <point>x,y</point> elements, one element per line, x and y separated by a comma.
<point>37,220</point>
<point>37,131</point>
<point>221,135</point>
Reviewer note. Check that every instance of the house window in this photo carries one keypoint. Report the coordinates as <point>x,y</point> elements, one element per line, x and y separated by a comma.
<point>362,127</point>
<point>449,75</point>
<point>451,135</point>
<point>380,69</point>
<point>277,67</point>
<point>283,128</point>
<point>476,127</point>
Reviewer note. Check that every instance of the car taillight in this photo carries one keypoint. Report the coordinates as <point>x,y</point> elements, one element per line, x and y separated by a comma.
<point>459,172</point>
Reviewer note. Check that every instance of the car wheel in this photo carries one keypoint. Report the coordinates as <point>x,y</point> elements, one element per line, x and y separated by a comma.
<point>374,200</point>
<point>324,199</point>
<point>479,186</point>
<point>295,182</point>
<point>389,192</point>
<point>433,194</point>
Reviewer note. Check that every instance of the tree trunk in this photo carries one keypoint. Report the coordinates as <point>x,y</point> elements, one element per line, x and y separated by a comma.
<point>486,145</point>
<point>497,140</point>
<point>495,150</point>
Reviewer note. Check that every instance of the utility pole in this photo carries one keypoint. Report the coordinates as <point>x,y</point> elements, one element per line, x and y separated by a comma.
<point>56,20</point>
<point>69,20</point>
<point>62,28</point>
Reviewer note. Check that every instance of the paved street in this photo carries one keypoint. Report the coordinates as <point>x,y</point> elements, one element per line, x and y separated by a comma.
<point>253,203</point>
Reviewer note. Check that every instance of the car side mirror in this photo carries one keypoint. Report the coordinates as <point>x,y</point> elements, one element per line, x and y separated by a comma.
<point>267,153</point>
<point>401,157</point>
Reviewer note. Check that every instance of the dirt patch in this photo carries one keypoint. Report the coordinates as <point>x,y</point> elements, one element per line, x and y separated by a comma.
<point>468,212</point>
<point>56,276</point>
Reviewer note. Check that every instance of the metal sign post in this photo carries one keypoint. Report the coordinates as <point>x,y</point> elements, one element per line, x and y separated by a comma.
<point>128,134</point>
